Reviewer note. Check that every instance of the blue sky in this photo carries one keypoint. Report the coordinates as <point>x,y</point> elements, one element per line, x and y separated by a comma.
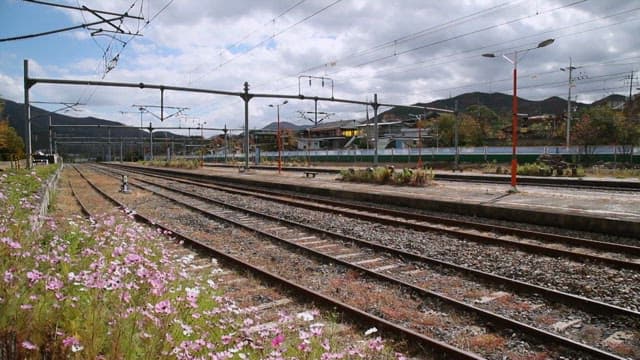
<point>405,50</point>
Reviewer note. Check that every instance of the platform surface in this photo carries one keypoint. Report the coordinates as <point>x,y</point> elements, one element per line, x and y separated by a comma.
<point>621,205</point>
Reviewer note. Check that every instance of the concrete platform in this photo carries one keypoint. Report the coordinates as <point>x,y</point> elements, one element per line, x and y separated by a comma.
<point>615,213</point>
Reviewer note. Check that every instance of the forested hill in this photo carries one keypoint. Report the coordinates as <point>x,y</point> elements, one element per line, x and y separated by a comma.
<point>498,102</point>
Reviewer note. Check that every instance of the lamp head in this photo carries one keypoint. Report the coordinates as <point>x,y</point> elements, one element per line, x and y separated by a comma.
<point>285,102</point>
<point>546,43</point>
<point>489,55</point>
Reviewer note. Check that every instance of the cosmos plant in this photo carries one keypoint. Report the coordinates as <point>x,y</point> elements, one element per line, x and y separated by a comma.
<point>108,288</point>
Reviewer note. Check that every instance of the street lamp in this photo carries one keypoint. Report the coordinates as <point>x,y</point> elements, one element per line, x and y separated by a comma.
<point>278,137</point>
<point>514,119</point>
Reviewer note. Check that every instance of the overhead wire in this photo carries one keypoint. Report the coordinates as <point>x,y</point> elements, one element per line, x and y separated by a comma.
<point>404,38</point>
<point>253,47</point>
<point>266,23</point>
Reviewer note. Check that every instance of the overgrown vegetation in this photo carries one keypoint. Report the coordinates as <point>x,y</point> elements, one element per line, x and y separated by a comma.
<point>388,175</point>
<point>108,289</point>
<point>541,169</point>
<point>179,163</point>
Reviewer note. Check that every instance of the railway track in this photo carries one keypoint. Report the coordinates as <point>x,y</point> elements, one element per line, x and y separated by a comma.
<point>537,242</point>
<point>416,340</point>
<point>404,268</point>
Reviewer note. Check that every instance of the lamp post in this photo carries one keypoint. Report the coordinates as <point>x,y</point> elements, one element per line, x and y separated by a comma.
<point>278,137</point>
<point>514,118</point>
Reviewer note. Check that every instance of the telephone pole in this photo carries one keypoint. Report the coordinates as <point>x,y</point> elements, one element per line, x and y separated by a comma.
<point>569,70</point>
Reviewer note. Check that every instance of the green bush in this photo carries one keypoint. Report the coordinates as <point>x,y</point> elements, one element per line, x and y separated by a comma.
<point>179,163</point>
<point>535,169</point>
<point>383,175</point>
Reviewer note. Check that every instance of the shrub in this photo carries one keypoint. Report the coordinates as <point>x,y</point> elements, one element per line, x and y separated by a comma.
<point>534,169</point>
<point>384,175</point>
<point>178,163</point>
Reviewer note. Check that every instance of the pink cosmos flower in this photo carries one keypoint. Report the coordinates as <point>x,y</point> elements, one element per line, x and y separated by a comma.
<point>71,340</point>
<point>304,346</point>
<point>28,345</point>
<point>279,339</point>
<point>34,276</point>
<point>376,344</point>
<point>226,339</point>
<point>325,345</point>
<point>163,307</point>
<point>8,276</point>
<point>132,258</point>
<point>316,329</point>
<point>54,284</point>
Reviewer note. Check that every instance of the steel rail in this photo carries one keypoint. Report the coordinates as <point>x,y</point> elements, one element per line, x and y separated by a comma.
<point>537,235</point>
<point>584,303</point>
<point>439,348</point>
<point>491,317</point>
<point>532,248</point>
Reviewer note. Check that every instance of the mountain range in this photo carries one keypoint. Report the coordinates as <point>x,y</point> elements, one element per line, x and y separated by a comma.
<point>498,102</point>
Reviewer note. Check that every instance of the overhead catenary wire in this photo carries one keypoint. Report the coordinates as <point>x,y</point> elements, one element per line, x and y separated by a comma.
<point>253,47</point>
<point>404,38</point>
<point>447,59</point>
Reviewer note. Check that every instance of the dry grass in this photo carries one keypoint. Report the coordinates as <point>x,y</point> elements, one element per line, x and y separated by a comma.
<point>591,334</point>
<point>626,350</point>
<point>546,319</point>
<point>487,342</point>
<point>535,356</point>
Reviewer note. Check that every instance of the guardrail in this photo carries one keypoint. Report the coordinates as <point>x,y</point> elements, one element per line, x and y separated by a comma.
<point>47,196</point>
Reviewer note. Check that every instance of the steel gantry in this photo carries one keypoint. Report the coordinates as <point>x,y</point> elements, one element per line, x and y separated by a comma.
<point>245,95</point>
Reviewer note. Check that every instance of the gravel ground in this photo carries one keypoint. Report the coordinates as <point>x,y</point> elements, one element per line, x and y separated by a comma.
<point>589,329</point>
<point>620,287</point>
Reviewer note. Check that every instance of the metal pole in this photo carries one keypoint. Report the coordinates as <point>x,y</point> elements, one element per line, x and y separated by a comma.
<point>569,107</point>
<point>27,113</point>
<point>150,141</point>
<point>279,140</point>
<point>226,145</point>
<point>514,126</point>
<point>419,165</point>
<point>246,125</point>
<point>375,129</point>
<point>50,137</point>
<point>140,136</point>
<point>121,148</point>
<point>109,144</point>
<point>456,137</point>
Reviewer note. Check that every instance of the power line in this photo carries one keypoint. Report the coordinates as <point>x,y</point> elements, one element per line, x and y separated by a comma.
<point>399,40</point>
<point>96,13</point>
<point>474,32</point>
<point>266,23</point>
<point>432,62</point>
<point>406,38</point>
<point>275,35</point>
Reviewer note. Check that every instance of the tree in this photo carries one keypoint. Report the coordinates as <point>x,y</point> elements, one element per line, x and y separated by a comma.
<point>602,125</point>
<point>627,134</point>
<point>446,129</point>
<point>11,144</point>
<point>471,132</point>
<point>488,121</point>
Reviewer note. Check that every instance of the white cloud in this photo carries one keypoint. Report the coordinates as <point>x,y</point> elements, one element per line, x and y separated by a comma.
<point>404,50</point>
